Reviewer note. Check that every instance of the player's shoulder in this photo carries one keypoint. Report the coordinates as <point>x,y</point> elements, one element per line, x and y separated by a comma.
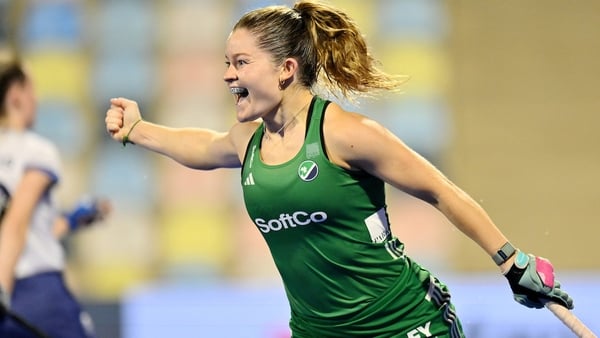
<point>34,139</point>
<point>35,143</point>
<point>341,124</point>
<point>351,137</point>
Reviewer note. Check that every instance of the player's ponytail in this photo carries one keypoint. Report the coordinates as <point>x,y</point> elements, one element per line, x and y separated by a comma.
<point>345,63</point>
<point>11,71</point>
<point>330,50</point>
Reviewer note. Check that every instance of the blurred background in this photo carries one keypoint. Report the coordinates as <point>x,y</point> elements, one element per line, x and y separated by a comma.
<point>502,98</point>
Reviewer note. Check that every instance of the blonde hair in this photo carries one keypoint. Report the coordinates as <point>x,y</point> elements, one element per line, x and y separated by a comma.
<point>326,42</point>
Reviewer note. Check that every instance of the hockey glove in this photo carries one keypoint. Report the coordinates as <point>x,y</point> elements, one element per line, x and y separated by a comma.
<point>87,211</point>
<point>532,282</point>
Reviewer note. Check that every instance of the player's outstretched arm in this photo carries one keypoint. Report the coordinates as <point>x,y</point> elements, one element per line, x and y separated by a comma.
<point>361,143</point>
<point>192,147</point>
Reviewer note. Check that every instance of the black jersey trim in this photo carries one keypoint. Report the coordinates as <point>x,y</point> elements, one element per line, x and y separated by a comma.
<point>309,115</point>
<point>321,135</point>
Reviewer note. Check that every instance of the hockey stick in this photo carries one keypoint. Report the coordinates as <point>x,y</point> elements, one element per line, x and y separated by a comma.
<point>570,320</point>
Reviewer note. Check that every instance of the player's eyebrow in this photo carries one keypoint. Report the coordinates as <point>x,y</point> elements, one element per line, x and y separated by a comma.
<point>237,55</point>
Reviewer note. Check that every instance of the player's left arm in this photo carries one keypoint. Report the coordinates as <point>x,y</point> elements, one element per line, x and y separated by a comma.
<point>363,144</point>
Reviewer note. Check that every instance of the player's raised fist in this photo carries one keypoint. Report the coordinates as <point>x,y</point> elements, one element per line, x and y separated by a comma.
<point>121,116</point>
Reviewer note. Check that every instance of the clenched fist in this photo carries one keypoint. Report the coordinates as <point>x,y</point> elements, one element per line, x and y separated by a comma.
<point>121,117</point>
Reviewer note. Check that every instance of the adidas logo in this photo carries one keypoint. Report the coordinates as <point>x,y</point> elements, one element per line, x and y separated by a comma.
<point>249,180</point>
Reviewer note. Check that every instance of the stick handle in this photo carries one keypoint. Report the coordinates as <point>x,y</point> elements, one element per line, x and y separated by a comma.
<point>570,320</point>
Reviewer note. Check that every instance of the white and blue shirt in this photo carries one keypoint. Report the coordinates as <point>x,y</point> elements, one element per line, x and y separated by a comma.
<point>19,152</point>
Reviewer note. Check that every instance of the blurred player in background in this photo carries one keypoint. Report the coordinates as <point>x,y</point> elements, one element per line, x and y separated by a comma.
<point>31,226</point>
<point>313,178</point>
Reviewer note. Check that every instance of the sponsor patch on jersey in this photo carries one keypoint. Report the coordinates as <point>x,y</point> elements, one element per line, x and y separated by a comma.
<point>308,170</point>
<point>378,226</point>
<point>288,221</point>
<point>312,150</point>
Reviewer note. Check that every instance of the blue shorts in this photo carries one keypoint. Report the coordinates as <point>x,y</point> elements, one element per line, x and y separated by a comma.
<point>44,301</point>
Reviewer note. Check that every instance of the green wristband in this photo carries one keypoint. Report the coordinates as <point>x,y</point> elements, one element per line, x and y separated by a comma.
<point>126,138</point>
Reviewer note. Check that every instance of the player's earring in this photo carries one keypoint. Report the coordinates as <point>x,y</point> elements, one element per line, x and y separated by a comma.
<point>281,84</point>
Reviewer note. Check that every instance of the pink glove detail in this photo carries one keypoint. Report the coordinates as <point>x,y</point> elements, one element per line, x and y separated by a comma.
<point>545,270</point>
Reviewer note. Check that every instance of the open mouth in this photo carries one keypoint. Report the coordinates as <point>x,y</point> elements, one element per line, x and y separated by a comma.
<point>239,93</point>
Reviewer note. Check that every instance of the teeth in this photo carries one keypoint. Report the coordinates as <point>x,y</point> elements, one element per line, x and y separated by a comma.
<point>239,91</point>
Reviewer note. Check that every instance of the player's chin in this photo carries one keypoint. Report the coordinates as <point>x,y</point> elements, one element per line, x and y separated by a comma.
<point>245,113</point>
<point>245,117</point>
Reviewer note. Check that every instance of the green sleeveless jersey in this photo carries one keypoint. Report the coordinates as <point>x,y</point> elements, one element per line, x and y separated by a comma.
<point>328,232</point>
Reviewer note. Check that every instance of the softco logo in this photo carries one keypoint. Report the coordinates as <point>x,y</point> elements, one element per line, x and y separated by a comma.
<point>286,221</point>
<point>308,170</point>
